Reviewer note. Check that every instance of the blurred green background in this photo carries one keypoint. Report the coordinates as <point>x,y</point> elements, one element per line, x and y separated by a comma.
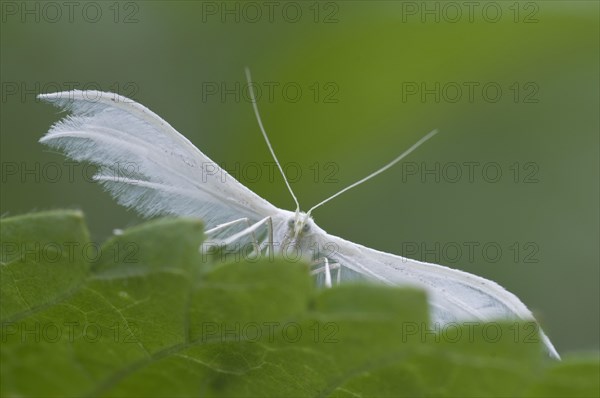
<point>363,69</point>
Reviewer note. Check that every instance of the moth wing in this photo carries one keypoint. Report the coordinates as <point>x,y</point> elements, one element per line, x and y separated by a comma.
<point>453,295</point>
<point>144,162</point>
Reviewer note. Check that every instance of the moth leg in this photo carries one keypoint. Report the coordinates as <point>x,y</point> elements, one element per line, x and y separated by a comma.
<point>234,222</point>
<point>225,225</point>
<point>246,231</point>
<point>229,224</point>
<point>326,269</point>
<point>327,273</point>
<point>270,242</point>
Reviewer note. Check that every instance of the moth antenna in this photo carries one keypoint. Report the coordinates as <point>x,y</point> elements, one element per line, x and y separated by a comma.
<point>381,170</point>
<point>264,133</point>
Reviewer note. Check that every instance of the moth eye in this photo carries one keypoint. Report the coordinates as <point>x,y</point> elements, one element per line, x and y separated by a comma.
<point>305,228</point>
<point>291,223</point>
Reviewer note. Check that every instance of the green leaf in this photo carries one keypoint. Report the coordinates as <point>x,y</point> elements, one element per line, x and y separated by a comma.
<point>148,315</point>
<point>42,260</point>
<point>573,377</point>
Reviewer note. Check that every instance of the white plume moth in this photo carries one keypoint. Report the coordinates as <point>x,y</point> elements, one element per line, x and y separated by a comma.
<point>172,177</point>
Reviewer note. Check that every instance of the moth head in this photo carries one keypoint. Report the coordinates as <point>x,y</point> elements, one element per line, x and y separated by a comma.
<point>299,224</point>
